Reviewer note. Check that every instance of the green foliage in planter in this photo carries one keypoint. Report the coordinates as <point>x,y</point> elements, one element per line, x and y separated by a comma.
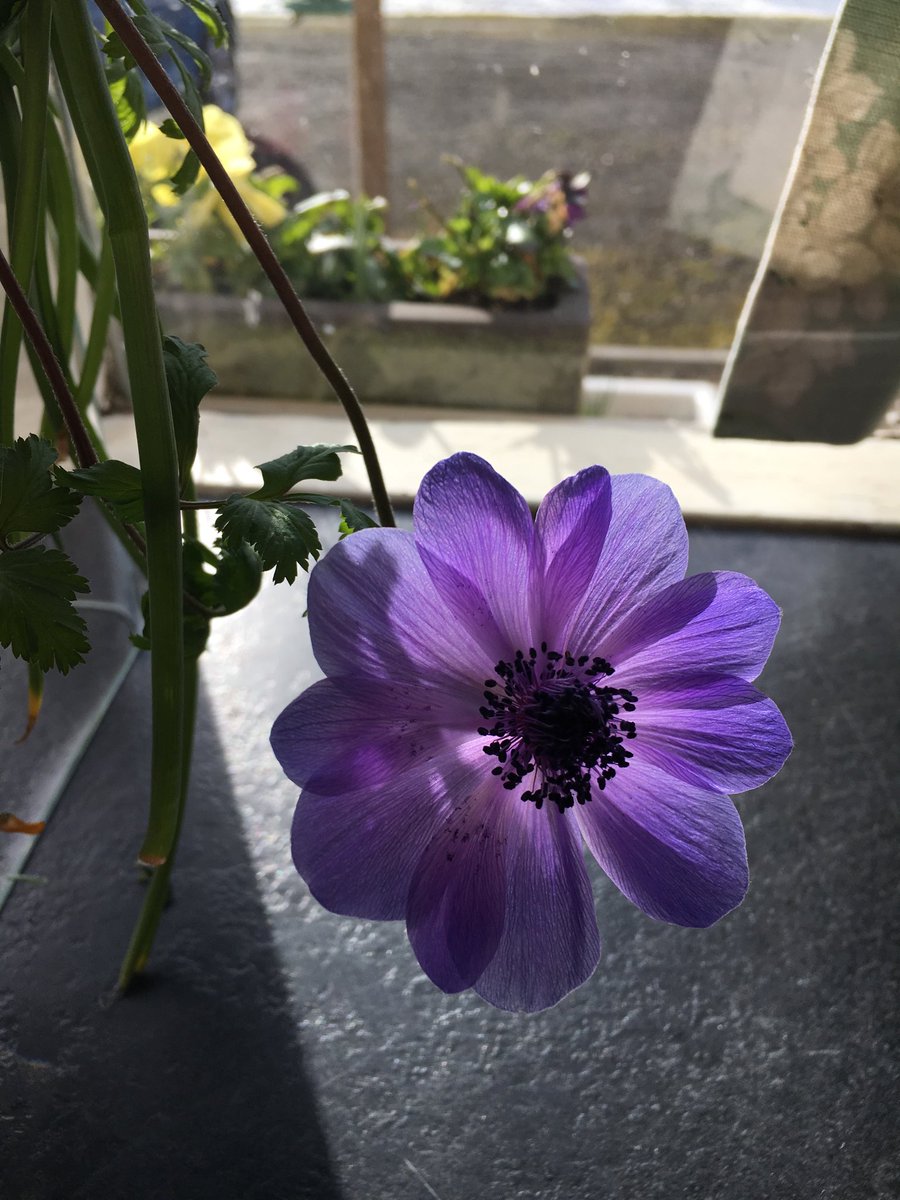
<point>506,243</point>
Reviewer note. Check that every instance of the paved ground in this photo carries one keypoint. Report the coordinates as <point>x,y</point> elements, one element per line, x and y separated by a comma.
<point>662,112</point>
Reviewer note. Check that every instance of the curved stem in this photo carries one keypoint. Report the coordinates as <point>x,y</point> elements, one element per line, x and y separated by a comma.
<point>104,304</point>
<point>256,239</point>
<point>61,197</point>
<point>97,128</point>
<point>78,435</point>
<point>157,896</point>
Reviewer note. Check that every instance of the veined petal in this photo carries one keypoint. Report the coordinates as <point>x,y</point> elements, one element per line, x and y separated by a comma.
<point>457,897</point>
<point>475,534</point>
<point>645,550</point>
<point>374,611</point>
<point>358,850</point>
<point>674,850</point>
<point>570,529</point>
<point>550,941</point>
<point>348,733</point>
<point>719,622</point>
<point>712,731</point>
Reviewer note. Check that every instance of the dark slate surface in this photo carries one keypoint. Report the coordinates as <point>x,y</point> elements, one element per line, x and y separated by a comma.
<point>281,1053</point>
<point>33,773</point>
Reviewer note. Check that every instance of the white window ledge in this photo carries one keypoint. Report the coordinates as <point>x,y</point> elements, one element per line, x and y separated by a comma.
<point>730,480</point>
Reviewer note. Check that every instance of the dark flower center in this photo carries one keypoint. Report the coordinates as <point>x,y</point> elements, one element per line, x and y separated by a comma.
<point>553,722</point>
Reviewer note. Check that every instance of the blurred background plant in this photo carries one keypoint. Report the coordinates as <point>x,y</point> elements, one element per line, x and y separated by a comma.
<point>505,243</point>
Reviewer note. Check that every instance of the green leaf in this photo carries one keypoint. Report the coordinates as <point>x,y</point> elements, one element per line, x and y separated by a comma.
<point>186,175</point>
<point>118,483</point>
<point>353,519</point>
<point>128,97</point>
<point>37,618</point>
<point>117,52</point>
<point>29,502</point>
<point>189,379</point>
<point>171,130</point>
<point>306,462</point>
<point>281,534</point>
<point>211,18</point>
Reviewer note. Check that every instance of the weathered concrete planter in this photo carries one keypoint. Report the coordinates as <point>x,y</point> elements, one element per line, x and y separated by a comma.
<point>398,353</point>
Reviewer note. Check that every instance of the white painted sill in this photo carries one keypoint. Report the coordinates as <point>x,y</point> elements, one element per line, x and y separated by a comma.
<point>715,479</point>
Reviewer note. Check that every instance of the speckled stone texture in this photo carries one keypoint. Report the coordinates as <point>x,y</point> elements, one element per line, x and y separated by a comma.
<point>277,1052</point>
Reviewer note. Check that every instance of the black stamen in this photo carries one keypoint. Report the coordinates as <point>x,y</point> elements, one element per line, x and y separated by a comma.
<point>557,725</point>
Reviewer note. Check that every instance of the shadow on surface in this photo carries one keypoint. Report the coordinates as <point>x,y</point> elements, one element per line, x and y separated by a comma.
<point>194,1086</point>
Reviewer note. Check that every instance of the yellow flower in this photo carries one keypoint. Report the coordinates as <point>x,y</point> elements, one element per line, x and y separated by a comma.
<point>156,158</point>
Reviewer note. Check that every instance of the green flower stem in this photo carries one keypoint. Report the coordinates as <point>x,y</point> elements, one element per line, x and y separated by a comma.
<point>104,305</point>
<point>258,243</point>
<point>10,132</point>
<point>35,39</point>
<point>158,894</point>
<point>78,435</point>
<point>61,196</point>
<point>97,128</point>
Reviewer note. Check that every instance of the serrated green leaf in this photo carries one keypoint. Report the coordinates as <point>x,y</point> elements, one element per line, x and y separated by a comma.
<point>282,535</point>
<point>306,462</point>
<point>189,379</point>
<point>29,501</point>
<point>115,51</point>
<point>353,519</point>
<point>211,18</point>
<point>37,618</point>
<point>118,483</point>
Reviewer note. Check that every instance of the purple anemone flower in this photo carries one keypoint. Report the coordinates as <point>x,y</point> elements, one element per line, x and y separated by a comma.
<point>502,689</point>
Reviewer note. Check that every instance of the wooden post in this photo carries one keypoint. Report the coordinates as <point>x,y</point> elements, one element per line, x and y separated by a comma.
<point>371,106</point>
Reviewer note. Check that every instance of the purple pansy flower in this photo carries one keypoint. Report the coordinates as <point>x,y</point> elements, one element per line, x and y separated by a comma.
<point>501,689</point>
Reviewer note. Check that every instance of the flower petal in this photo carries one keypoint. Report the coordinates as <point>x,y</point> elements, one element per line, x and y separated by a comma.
<point>475,535</point>
<point>374,611</point>
<point>344,734</point>
<point>457,897</point>
<point>550,941</point>
<point>645,550</point>
<point>675,851</point>
<point>358,850</point>
<point>713,731</point>
<point>719,622</point>
<point>570,527</point>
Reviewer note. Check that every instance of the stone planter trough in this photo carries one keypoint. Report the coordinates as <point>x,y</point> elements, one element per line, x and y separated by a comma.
<point>399,353</point>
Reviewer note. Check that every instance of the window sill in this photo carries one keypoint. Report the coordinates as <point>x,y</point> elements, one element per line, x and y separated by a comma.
<point>725,480</point>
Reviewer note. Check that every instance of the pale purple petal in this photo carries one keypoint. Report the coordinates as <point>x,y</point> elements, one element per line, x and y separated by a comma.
<point>401,816</point>
<point>550,941</point>
<point>457,898</point>
<point>674,850</point>
<point>645,550</point>
<point>712,731</point>
<point>358,850</point>
<point>719,622</point>
<point>343,734</point>
<point>475,534</point>
<point>570,528</point>
<point>373,611</point>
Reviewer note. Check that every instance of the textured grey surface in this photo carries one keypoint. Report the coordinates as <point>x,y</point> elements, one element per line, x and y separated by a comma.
<point>279,1052</point>
<point>34,772</point>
